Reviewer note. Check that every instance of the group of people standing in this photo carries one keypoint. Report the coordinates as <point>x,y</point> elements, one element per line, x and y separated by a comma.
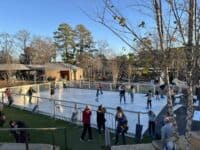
<point>120,118</point>
<point>86,119</point>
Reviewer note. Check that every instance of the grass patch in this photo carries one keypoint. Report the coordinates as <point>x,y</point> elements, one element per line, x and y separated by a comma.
<point>73,132</point>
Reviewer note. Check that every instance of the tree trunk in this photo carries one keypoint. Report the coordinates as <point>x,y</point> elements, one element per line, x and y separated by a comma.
<point>189,52</point>
<point>170,108</point>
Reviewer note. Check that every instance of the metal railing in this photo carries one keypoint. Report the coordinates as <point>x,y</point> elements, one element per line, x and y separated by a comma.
<point>41,104</point>
<point>139,87</point>
<point>48,131</point>
<point>53,105</point>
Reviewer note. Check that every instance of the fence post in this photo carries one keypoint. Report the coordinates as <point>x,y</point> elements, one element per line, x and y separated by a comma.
<point>107,137</point>
<point>80,84</point>
<point>38,102</point>
<point>89,84</point>
<point>138,88</point>
<point>138,117</point>
<point>138,130</point>
<point>54,108</point>
<point>53,140</point>
<point>65,132</point>
<point>26,143</point>
<point>2,98</point>
<point>111,86</point>
<point>24,100</point>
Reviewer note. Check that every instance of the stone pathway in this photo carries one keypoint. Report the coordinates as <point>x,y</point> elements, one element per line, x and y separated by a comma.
<point>20,146</point>
<point>134,147</point>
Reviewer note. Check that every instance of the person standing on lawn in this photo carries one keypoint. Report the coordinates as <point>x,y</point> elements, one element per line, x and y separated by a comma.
<point>86,117</point>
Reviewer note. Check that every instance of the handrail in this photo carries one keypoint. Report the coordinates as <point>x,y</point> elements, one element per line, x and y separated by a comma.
<point>40,129</point>
<point>35,129</point>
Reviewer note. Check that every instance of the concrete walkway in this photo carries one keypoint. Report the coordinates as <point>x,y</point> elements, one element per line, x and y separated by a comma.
<point>134,147</point>
<point>21,146</point>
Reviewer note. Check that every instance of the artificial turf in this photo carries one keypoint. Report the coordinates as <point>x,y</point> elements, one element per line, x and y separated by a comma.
<point>73,131</point>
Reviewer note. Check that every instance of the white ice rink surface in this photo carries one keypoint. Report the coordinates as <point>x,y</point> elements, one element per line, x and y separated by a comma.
<point>108,99</point>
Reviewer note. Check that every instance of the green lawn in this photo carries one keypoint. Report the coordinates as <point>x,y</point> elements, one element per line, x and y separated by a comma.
<point>41,121</point>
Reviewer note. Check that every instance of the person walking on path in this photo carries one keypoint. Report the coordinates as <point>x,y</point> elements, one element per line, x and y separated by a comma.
<point>86,117</point>
<point>167,135</point>
<point>131,92</point>
<point>152,123</point>
<point>122,125</point>
<point>30,94</point>
<point>101,118</point>
<point>122,93</point>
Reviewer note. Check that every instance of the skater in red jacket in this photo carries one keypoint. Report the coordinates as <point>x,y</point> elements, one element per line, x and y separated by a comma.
<point>86,117</point>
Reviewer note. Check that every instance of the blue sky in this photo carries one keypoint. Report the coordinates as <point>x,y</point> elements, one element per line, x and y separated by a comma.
<point>42,17</point>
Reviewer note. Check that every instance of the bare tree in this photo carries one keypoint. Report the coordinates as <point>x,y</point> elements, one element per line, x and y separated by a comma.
<point>23,36</point>
<point>6,49</point>
<point>115,70</point>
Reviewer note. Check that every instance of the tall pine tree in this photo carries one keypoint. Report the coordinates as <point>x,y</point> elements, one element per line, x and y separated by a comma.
<point>64,41</point>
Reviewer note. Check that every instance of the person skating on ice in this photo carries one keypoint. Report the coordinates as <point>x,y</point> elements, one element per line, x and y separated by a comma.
<point>157,95</point>
<point>99,90</point>
<point>132,92</point>
<point>30,94</point>
<point>122,93</point>
<point>149,99</point>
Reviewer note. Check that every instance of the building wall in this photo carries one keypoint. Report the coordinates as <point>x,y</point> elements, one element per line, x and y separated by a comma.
<point>73,74</point>
<point>53,73</point>
<point>76,74</point>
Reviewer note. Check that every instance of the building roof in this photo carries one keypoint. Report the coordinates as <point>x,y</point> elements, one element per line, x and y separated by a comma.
<point>53,66</point>
<point>56,66</point>
<point>5,67</point>
<point>36,67</point>
<point>60,66</point>
<point>47,66</point>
